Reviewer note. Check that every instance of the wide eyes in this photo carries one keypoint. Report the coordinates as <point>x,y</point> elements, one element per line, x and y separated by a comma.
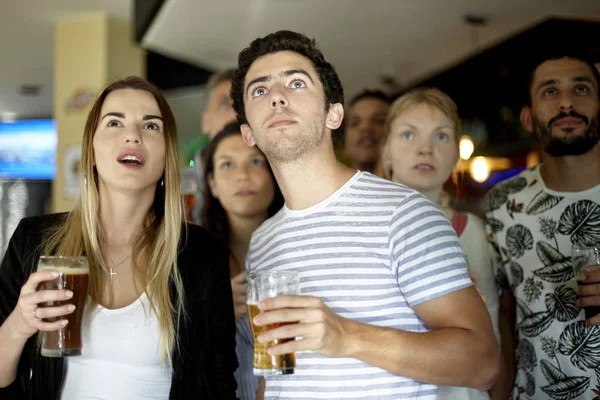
<point>443,137</point>
<point>577,89</point>
<point>295,83</point>
<point>115,123</point>
<point>408,135</point>
<point>259,91</point>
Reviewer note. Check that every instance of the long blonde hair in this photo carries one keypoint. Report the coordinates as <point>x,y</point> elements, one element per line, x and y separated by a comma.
<point>157,246</point>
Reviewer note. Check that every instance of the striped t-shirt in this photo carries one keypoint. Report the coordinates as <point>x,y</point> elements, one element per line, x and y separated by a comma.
<point>371,251</point>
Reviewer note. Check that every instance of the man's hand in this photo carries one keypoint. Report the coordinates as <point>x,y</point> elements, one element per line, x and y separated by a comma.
<point>238,287</point>
<point>306,317</point>
<point>590,293</point>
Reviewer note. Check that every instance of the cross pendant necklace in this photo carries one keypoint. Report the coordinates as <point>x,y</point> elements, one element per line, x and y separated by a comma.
<point>112,271</point>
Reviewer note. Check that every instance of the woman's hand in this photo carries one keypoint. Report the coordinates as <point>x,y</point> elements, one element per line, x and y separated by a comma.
<point>28,314</point>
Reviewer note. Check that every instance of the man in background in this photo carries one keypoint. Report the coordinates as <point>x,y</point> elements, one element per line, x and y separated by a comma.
<point>364,128</point>
<point>218,113</point>
<point>533,221</point>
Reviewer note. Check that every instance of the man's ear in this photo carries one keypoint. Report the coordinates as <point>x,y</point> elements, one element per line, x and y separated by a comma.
<point>526,119</point>
<point>248,135</point>
<point>335,116</point>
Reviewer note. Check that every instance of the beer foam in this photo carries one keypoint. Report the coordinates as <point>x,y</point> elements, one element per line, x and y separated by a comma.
<point>252,303</point>
<point>66,270</point>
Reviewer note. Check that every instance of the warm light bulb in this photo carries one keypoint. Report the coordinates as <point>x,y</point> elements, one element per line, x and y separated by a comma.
<point>466,147</point>
<point>480,169</point>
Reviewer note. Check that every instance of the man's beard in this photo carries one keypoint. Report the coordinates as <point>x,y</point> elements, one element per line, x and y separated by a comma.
<point>283,150</point>
<point>571,144</point>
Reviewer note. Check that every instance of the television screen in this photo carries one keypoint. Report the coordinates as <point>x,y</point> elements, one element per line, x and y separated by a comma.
<point>28,149</point>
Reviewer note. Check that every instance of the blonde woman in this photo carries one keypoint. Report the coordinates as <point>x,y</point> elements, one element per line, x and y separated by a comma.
<point>159,321</point>
<point>420,150</point>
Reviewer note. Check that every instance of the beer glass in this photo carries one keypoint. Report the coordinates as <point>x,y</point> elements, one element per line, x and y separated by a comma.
<point>262,363</point>
<point>582,256</point>
<point>73,275</point>
<point>189,186</point>
<point>273,284</point>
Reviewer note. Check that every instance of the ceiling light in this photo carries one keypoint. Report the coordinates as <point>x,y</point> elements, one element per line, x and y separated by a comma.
<point>8,116</point>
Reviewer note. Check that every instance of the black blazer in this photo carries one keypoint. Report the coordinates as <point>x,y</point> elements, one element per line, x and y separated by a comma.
<point>203,368</point>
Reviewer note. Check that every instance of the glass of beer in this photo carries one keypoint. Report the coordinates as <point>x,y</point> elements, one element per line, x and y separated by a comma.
<point>582,256</point>
<point>73,275</point>
<point>262,362</point>
<point>189,185</point>
<point>273,284</point>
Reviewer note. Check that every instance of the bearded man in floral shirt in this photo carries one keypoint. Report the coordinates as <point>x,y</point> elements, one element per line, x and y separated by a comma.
<point>549,350</point>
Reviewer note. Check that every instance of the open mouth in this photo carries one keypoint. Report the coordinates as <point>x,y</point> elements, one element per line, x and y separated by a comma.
<point>131,160</point>
<point>366,142</point>
<point>425,167</point>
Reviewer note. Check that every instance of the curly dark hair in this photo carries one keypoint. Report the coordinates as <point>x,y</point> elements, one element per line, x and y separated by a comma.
<point>285,41</point>
<point>214,217</point>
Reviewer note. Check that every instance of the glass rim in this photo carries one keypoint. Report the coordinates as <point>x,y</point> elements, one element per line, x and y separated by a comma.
<point>82,258</point>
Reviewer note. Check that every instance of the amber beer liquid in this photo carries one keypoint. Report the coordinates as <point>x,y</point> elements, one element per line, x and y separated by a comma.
<point>190,204</point>
<point>66,341</point>
<point>265,364</point>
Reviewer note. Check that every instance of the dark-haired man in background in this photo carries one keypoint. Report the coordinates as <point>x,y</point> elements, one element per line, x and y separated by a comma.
<point>534,219</point>
<point>364,128</point>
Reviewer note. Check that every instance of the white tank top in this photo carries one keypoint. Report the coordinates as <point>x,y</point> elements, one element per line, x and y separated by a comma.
<point>120,357</point>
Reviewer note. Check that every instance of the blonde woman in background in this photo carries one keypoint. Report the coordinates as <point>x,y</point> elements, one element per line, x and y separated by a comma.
<point>159,321</point>
<point>420,150</point>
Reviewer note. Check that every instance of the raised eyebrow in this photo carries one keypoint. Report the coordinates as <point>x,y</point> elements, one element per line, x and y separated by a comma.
<point>409,125</point>
<point>149,117</point>
<point>260,79</point>
<point>113,114</point>
<point>583,79</point>
<point>547,83</point>
<point>300,71</point>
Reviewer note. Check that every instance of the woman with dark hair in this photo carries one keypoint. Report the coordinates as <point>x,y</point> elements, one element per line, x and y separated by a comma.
<point>241,195</point>
<point>158,321</point>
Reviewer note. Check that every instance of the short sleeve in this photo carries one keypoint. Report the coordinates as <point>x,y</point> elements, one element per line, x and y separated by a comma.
<point>426,256</point>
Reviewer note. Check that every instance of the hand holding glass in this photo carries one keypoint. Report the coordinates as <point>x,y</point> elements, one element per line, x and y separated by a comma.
<point>73,276</point>
<point>263,286</point>
<point>583,256</point>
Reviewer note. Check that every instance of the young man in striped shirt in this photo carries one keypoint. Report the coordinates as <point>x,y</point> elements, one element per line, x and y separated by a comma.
<point>387,310</point>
